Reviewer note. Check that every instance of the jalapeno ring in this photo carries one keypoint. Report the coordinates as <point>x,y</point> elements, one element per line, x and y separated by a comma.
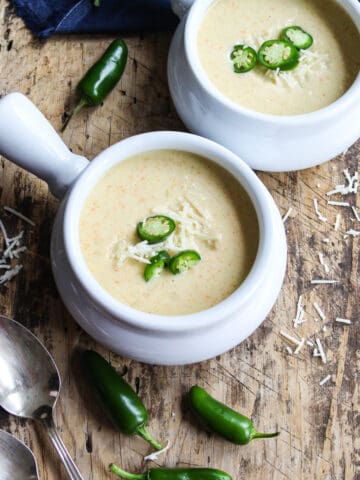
<point>274,54</point>
<point>243,58</point>
<point>155,229</point>
<point>297,36</point>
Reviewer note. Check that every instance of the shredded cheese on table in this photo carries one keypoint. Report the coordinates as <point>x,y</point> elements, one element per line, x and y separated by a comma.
<point>287,214</point>
<point>154,455</point>
<point>317,211</point>
<point>319,311</point>
<point>320,351</point>
<point>356,213</point>
<point>12,249</point>
<point>322,262</point>
<point>20,215</point>
<point>320,281</point>
<point>354,233</point>
<point>347,321</point>
<point>300,312</point>
<point>325,380</point>
<point>351,187</point>
<point>337,222</point>
<point>338,204</point>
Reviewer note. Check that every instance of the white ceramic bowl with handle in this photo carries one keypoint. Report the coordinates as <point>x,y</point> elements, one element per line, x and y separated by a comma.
<point>265,142</point>
<point>29,140</point>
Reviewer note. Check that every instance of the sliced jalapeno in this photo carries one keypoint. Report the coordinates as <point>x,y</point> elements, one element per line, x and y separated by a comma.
<point>280,54</point>
<point>155,229</point>
<point>183,261</point>
<point>153,270</point>
<point>297,36</point>
<point>243,58</point>
<point>157,265</point>
<point>162,255</point>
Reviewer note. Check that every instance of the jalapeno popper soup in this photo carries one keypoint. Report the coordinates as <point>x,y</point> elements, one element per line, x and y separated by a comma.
<point>252,56</point>
<point>168,232</point>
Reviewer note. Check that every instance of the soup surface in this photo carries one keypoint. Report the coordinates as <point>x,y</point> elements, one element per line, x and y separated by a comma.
<point>154,182</point>
<point>326,70</point>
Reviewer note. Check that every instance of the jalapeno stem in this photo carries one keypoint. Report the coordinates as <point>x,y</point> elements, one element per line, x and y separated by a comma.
<point>255,434</point>
<point>83,102</point>
<point>123,474</point>
<point>146,436</point>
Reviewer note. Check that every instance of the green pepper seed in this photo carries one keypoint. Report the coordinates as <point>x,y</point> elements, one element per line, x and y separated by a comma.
<point>155,229</point>
<point>183,261</point>
<point>162,473</point>
<point>222,420</point>
<point>298,37</point>
<point>243,58</point>
<point>278,54</point>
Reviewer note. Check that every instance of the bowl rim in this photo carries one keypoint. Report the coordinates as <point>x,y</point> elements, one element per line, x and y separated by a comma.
<point>259,195</point>
<point>192,23</point>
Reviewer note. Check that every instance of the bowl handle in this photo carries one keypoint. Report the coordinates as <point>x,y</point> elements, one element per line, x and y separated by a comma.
<point>180,7</point>
<point>28,139</point>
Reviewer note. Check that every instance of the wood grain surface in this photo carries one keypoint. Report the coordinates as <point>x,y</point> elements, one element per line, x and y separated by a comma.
<point>319,425</point>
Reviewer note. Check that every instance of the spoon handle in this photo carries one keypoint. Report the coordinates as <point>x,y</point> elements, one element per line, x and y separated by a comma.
<point>69,465</point>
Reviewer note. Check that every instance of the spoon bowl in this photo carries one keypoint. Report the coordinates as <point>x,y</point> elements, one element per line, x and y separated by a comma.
<point>16,459</point>
<point>30,383</point>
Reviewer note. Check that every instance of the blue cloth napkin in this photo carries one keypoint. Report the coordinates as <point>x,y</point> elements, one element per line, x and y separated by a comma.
<point>47,17</point>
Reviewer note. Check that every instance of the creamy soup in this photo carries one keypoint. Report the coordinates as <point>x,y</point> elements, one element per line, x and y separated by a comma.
<point>326,70</point>
<point>166,181</point>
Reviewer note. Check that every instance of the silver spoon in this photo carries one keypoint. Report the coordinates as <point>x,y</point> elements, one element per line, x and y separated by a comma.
<point>30,383</point>
<point>17,461</point>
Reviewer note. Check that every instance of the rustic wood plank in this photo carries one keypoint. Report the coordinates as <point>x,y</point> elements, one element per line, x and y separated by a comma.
<point>319,425</point>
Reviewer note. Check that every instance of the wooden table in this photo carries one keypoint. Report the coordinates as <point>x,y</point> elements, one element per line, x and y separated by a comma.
<point>319,424</point>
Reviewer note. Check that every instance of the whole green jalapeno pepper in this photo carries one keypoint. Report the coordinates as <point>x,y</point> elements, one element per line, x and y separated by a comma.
<point>220,419</point>
<point>120,401</point>
<point>172,474</point>
<point>101,78</point>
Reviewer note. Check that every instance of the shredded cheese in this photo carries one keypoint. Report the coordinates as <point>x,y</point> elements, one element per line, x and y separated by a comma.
<point>290,338</point>
<point>347,321</point>
<point>322,262</point>
<point>9,274</point>
<point>299,347</point>
<point>325,380</point>
<point>319,311</point>
<point>319,281</point>
<point>351,187</point>
<point>320,351</point>
<point>311,63</point>
<point>193,225</point>
<point>11,252</point>
<point>154,455</point>
<point>300,312</point>
<point>354,233</point>
<point>20,215</point>
<point>338,204</point>
<point>337,222</point>
<point>287,214</point>
<point>356,213</point>
<point>317,211</point>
